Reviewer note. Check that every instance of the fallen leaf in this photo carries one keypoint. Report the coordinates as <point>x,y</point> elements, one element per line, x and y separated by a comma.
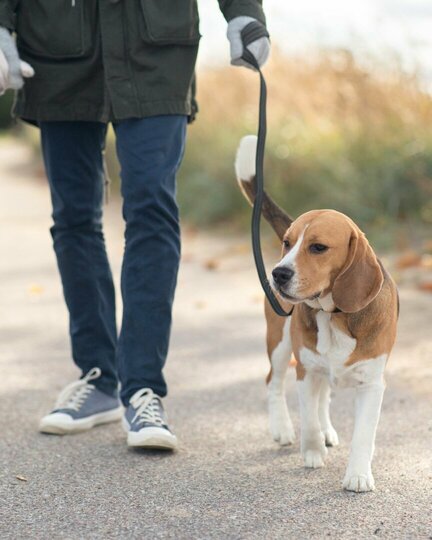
<point>22,478</point>
<point>408,260</point>
<point>35,289</point>
<point>426,286</point>
<point>211,264</point>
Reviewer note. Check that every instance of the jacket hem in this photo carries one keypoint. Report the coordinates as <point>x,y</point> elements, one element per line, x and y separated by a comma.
<point>53,113</point>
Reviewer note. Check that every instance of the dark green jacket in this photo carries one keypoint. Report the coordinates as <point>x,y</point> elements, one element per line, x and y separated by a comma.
<point>101,60</point>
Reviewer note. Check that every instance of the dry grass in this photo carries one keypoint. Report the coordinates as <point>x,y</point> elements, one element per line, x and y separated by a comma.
<point>340,135</point>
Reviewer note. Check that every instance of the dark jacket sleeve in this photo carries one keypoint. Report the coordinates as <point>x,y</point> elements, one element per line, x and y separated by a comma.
<point>7,13</point>
<point>237,8</point>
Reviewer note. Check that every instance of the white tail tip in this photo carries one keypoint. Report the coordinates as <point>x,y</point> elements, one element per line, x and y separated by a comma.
<point>245,159</point>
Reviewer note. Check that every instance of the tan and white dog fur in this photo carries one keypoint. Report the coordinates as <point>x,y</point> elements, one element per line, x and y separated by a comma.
<point>341,331</point>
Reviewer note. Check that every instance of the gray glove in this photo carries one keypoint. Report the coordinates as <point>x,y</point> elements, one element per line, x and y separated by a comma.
<point>12,69</point>
<point>259,48</point>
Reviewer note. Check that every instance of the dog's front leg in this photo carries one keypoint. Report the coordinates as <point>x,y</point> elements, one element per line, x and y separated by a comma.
<point>312,439</point>
<point>280,421</point>
<point>358,476</point>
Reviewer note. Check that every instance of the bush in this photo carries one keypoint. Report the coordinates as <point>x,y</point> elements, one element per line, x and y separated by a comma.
<point>340,136</point>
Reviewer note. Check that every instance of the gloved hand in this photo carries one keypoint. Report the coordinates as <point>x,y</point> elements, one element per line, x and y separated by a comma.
<point>12,69</point>
<point>259,48</point>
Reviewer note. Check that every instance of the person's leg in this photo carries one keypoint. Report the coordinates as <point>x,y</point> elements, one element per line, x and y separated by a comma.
<point>73,159</point>
<point>150,151</point>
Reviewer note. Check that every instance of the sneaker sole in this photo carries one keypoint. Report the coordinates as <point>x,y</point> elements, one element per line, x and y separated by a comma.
<point>56,426</point>
<point>153,438</point>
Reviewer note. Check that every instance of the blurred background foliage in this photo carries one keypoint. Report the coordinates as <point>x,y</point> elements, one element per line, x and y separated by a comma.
<point>344,135</point>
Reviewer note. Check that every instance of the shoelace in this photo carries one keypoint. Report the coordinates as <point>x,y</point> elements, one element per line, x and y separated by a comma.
<point>74,394</point>
<point>146,403</point>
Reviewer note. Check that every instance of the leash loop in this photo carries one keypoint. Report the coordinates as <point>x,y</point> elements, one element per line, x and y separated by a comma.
<point>249,34</point>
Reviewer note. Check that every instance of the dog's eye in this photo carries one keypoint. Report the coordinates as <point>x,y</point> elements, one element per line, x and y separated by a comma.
<point>317,248</point>
<point>286,244</point>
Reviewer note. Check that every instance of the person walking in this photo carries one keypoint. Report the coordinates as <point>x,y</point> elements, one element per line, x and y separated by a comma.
<point>88,63</point>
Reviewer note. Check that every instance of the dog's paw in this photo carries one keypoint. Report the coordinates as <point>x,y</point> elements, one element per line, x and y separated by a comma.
<point>282,431</point>
<point>331,437</point>
<point>283,434</point>
<point>359,482</point>
<point>313,449</point>
<point>313,459</point>
<point>281,426</point>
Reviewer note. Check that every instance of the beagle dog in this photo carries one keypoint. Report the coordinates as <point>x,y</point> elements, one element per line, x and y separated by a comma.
<point>341,331</point>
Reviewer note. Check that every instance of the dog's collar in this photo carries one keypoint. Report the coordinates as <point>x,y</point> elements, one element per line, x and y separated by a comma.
<point>336,310</point>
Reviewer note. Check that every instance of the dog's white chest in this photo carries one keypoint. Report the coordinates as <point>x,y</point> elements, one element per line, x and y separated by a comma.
<point>333,350</point>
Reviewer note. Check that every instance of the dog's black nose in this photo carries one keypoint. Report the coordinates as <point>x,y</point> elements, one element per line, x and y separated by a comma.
<point>282,274</point>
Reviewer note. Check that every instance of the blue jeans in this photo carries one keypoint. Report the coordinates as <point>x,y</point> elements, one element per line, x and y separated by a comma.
<point>150,151</point>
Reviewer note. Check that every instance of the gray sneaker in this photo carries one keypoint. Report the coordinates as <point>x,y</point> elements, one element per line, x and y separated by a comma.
<point>146,422</point>
<point>81,406</point>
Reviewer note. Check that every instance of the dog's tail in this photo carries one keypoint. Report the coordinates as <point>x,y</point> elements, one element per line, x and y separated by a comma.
<point>245,170</point>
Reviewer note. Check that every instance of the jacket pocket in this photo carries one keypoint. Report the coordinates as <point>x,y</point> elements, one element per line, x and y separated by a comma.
<point>170,22</point>
<point>56,29</point>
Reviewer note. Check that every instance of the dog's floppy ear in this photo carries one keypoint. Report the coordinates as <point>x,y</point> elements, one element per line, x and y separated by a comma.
<point>360,279</point>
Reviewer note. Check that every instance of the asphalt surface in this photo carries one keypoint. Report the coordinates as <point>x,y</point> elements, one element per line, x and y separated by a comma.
<point>228,479</point>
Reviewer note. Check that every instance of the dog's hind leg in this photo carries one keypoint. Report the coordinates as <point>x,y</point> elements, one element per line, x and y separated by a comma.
<point>312,439</point>
<point>280,422</point>
<point>331,437</point>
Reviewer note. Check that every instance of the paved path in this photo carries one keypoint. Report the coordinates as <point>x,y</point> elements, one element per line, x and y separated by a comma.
<point>228,479</point>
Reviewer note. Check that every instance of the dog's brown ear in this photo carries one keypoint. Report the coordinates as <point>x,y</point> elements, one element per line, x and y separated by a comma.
<point>361,278</point>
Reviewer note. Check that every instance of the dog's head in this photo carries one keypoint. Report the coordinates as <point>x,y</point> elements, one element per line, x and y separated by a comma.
<point>325,252</point>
